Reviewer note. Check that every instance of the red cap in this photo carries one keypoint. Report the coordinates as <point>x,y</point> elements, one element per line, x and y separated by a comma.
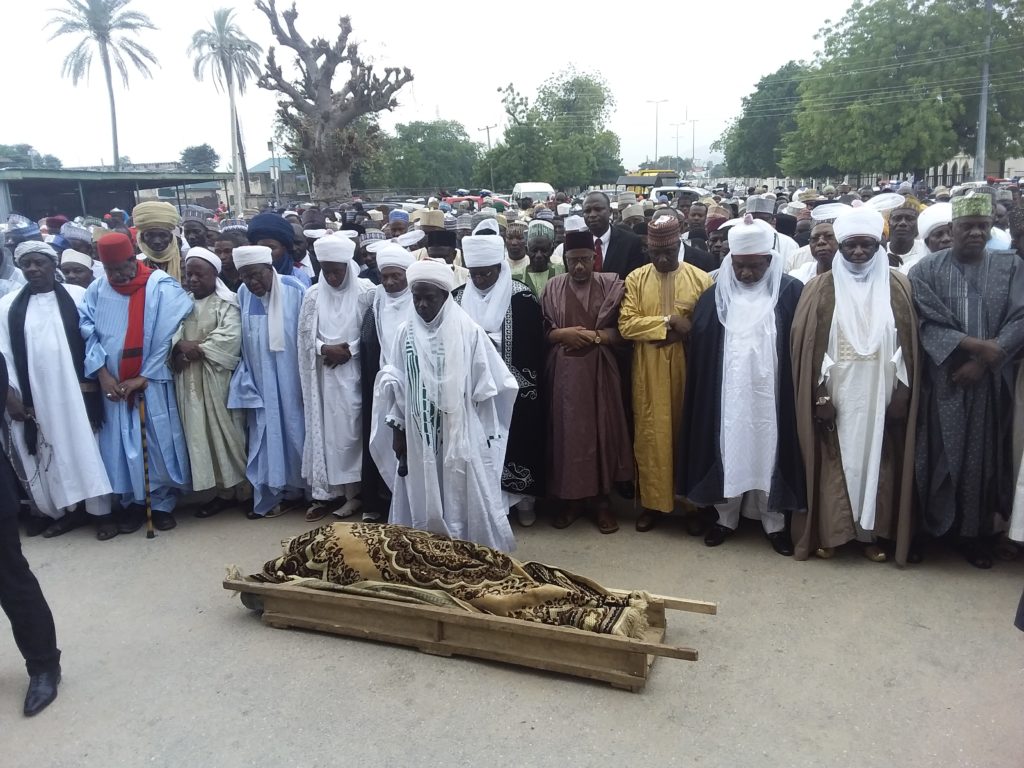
<point>115,248</point>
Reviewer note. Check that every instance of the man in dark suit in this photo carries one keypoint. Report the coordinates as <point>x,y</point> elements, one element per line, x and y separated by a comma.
<point>21,597</point>
<point>620,251</point>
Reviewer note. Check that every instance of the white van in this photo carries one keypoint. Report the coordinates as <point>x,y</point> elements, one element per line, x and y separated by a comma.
<point>538,191</point>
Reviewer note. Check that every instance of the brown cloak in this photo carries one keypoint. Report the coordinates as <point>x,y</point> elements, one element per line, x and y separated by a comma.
<point>828,521</point>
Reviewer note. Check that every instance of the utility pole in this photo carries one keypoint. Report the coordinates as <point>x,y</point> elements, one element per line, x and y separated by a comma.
<point>693,143</point>
<point>490,159</point>
<point>679,168</point>
<point>656,103</point>
<point>274,172</point>
<point>979,154</point>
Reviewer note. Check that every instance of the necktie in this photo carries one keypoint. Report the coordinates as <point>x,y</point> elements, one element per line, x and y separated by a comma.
<point>598,255</point>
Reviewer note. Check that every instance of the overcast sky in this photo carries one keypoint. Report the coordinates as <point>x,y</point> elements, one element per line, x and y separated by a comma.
<point>701,57</point>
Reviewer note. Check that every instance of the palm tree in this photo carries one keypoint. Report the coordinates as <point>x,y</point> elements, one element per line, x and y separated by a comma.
<point>109,27</point>
<point>232,58</point>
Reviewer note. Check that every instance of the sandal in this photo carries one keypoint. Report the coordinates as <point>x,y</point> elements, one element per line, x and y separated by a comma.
<point>317,511</point>
<point>348,508</point>
<point>606,522</point>
<point>569,513</point>
<point>875,553</point>
<point>106,527</point>
<point>825,553</point>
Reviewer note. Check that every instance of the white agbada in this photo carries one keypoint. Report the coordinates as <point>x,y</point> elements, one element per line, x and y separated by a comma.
<point>332,455</point>
<point>862,363</point>
<point>749,431</point>
<point>71,469</point>
<point>449,390</point>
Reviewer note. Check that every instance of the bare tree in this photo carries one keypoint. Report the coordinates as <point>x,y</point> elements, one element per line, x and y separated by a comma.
<point>323,124</point>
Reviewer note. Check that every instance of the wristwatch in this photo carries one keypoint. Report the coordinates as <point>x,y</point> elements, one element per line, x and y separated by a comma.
<point>597,339</point>
<point>667,320</point>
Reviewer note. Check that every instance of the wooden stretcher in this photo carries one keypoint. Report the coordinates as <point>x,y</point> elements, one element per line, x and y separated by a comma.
<point>623,662</point>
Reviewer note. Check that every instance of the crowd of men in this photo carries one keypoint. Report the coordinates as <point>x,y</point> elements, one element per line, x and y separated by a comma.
<point>841,366</point>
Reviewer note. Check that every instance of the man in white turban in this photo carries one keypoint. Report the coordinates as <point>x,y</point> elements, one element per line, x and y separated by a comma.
<point>266,381</point>
<point>856,357</point>
<point>206,352</point>
<point>329,366</point>
<point>935,225</point>
<point>511,317</point>
<point>740,451</point>
<point>448,397</point>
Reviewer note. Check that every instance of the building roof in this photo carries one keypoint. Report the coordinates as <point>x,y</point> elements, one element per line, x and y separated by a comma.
<point>121,179</point>
<point>281,161</point>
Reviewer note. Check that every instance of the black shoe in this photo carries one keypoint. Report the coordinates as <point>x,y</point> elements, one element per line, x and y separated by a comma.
<point>35,526</point>
<point>42,690</point>
<point>130,519</point>
<point>717,535</point>
<point>781,543</point>
<point>626,489</point>
<point>163,521</point>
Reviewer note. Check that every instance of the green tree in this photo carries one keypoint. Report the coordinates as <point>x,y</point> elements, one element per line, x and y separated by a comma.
<point>752,144</point>
<point>199,159</point>
<point>232,58</point>
<point>26,156</point>
<point>559,138</point>
<point>430,155</point>
<point>668,162</point>
<point>109,28</point>
<point>897,87</point>
<point>323,125</point>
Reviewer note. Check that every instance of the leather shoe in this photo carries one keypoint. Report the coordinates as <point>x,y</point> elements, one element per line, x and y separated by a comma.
<point>781,543</point>
<point>163,521</point>
<point>42,690</point>
<point>717,535</point>
<point>130,520</point>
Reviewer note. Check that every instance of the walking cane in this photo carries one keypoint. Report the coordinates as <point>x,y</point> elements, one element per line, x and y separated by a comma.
<point>150,533</point>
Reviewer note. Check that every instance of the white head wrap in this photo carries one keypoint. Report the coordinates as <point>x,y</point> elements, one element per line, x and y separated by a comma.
<point>391,255</point>
<point>828,211</point>
<point>335,249</point>
<point>488,307</point>
<point>575,224</point>
<point>487,225</point>
<point>34,246</point>
<point>863,303</point>
<point>247,256</point>
<point>411,238</point>
<point>71,256</point>
<point>933,217</point>
<point>222,291</point>
<point>433,272</point>
<point>859,222</point>
<point>751,236</point>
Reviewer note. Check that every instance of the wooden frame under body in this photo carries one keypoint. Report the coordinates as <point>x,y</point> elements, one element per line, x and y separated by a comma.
<point>623,662</point>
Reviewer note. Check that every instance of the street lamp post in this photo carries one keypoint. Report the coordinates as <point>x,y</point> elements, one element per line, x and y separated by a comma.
<point>274,173</point>
<point>656,103</point>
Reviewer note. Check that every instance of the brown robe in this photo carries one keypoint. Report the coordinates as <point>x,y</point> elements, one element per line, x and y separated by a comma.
<point>588,438</point>
<point>828,521</point>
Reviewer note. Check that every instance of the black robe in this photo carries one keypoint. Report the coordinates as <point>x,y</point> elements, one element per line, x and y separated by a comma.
<point>700,470</point>
<point>523,348</point>
<point>374,490</point>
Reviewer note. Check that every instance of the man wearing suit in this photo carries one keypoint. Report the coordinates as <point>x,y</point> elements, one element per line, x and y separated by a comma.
<point>21,597</point>
<point>619,251</point>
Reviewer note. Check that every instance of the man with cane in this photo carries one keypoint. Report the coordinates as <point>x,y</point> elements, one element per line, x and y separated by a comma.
<point>21,597</point>
<point>129,319</point>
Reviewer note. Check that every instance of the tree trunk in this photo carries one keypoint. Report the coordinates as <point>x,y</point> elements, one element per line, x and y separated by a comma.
<point>241,157</point>
<point>332,183</point>
<point>239,197</point>
<point>105,58</point>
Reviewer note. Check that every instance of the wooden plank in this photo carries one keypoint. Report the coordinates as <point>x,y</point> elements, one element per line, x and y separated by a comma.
<point>678,603</point>
<point>457,618</point>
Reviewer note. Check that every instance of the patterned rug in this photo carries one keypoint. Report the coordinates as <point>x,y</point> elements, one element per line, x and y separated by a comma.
<point>395,562</point>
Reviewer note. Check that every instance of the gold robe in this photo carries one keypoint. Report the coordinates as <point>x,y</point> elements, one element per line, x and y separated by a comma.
<point>659,372</point>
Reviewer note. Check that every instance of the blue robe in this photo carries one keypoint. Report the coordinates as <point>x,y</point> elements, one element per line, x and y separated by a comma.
<point>267,383</point>
<point>104,320</point>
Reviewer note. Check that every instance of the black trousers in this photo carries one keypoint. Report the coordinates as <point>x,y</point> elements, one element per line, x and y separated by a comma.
<point>20,595</point>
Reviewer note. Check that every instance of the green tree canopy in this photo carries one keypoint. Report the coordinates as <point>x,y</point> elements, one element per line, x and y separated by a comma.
<point>425,155</point>
<point>752,144</point>
<point>668,163</point>
<point>559,138</point>
<point>199,159</point>
<point>26,156</point>
<point>897,86</point>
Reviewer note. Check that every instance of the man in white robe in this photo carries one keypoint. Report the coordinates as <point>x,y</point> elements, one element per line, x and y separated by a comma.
<point>329,368</point>
<point>55,410</point>
<point>448,397</point>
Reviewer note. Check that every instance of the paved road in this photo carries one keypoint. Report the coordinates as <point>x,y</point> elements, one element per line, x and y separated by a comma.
<point>840,663</point>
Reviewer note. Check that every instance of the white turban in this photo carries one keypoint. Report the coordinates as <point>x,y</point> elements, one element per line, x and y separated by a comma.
<point>433,272</point>
<point>575,224</point>
<point>483,250</point>
<point>751,236</point>
<point>933,217</point>
<point>247,255</point>
<point>392,255</point>
<point>71,256</point>
<point>34,246</point>
<point>859,222</point>
<point>411,238</point>
<point>334,249</point>
<point>487,225</point>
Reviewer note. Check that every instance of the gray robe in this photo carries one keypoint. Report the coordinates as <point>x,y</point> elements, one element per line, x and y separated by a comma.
<point>964,457</point>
